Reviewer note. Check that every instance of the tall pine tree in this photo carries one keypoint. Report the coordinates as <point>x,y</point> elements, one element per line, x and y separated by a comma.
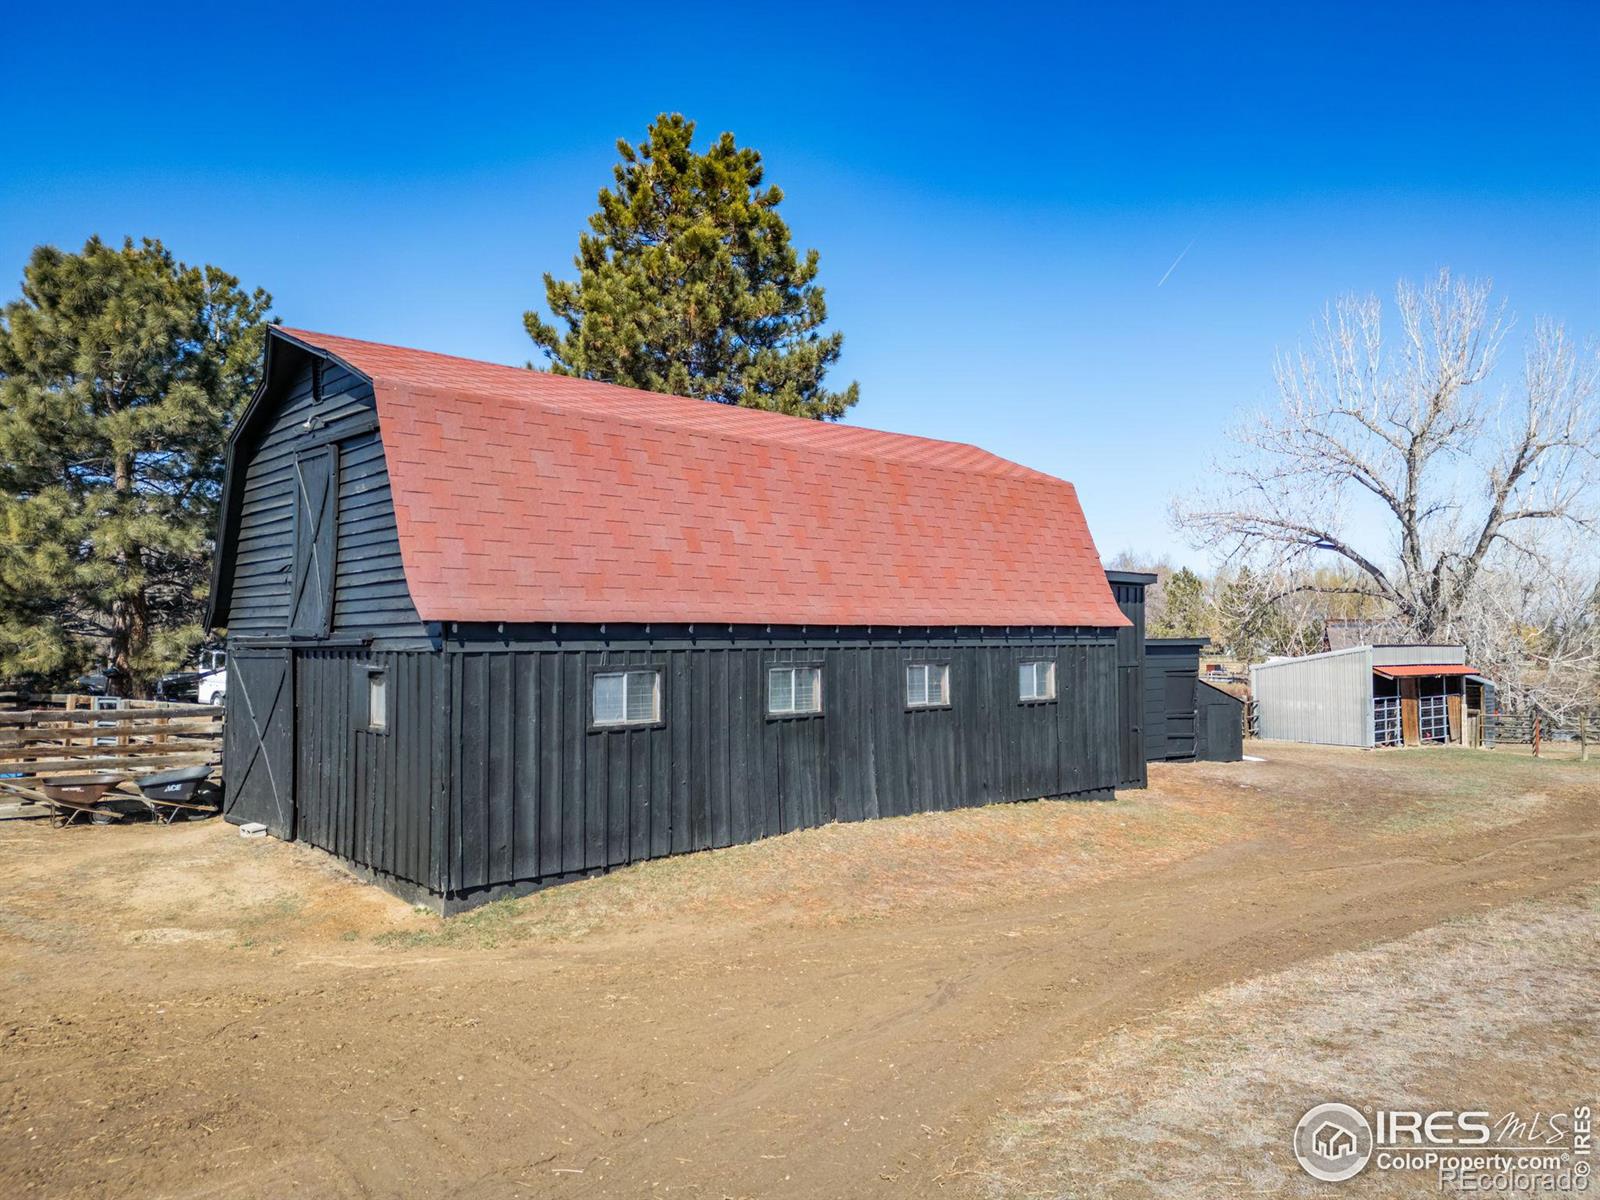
<point>1185,611</point>
<point>689,283</point>
<point>121,371</point>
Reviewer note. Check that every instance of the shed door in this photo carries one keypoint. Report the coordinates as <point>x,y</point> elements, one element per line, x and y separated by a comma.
<point>1180,688</point>
<point>258,741</point>
<point>316,528</point>
<point>1221,725</point>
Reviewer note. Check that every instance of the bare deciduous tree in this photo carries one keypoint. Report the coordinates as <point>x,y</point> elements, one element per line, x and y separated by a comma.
<point>1536,632</point>
<point>1402,459</point>
<point>1258,615</point>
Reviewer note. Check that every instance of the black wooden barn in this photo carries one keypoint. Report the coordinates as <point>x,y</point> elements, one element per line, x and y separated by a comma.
<point>491,628</point>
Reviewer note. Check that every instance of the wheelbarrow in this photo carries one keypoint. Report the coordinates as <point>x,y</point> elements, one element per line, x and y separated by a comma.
<point>74,796</point>
<point>167,794</point>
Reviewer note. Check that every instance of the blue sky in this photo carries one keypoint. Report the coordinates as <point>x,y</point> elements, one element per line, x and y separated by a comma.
<point>996,191</point>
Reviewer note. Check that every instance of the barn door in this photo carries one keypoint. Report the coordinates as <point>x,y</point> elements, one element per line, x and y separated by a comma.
<point>258,741</point>
<point>316,528</point>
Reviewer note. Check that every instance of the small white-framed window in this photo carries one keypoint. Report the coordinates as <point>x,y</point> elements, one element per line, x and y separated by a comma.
<point>794,691</point>
<point>1036,680</point>
<point>927,685</point>
<point>377,700</point>
<point>627,697</point>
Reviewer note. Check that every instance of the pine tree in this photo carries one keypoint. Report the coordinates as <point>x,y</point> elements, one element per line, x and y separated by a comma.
<point>1184,610</point>
<point>689,284</point>
<point>121,371</point>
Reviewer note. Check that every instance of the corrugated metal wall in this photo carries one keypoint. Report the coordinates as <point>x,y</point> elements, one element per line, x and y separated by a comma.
<point>1391,656</point>
<point>536,793</point>
<point>1322,698</point>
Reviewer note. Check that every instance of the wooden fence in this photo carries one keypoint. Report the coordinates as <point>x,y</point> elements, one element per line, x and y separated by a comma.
<point>132,740</point>
<point>1518,728</point>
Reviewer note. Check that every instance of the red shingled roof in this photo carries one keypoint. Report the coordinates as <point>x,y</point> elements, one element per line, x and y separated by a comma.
<point>1424,669</point>
<point>525,496</point>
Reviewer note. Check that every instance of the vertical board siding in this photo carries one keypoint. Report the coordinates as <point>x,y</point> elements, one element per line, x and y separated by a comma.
<point>368,797</point>
<point>1219,731</point>
<point>1130,683</point>
<point>535,793</point>
<point>1169,728</point>
<point>490,774</point>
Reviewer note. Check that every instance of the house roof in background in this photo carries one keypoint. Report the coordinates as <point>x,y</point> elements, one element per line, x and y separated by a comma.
<point>525,496</point>
<point>1343,633</point>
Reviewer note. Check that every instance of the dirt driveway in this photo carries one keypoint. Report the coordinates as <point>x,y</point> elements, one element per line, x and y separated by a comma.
<point>849,1012</point>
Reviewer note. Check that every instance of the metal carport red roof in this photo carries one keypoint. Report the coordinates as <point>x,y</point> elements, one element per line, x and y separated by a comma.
<point>1421,670</point>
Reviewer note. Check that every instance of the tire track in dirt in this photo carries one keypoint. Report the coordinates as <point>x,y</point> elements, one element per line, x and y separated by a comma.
<point>1131,952</point>
<point>738,1058</point>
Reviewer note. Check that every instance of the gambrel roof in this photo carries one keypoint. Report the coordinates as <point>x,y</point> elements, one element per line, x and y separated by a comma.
<point>525,496</point>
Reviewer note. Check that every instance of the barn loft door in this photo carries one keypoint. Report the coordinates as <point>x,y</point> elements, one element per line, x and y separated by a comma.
<point>316,527</point>
<point>258,741</point>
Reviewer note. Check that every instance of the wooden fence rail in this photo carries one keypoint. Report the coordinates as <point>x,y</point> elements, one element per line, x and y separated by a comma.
<point>1519,728</point>
<point>89,716</point>
<point>130,742</point>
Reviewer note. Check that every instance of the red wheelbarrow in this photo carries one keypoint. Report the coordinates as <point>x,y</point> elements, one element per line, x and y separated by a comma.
<point>74,796</point>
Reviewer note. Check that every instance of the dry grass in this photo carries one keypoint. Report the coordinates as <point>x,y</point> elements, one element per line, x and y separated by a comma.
<point>261,896</point>
<point>1561,752</point>
<point>840,1012</point>
<point>1423,792</point>
<point>1202,1103</point>
<point>1471,789</point>
<point>861,871</point>
<point>839,875</point>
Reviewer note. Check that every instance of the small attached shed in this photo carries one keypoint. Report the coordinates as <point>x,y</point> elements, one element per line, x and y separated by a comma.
<point>491,628</point>
<point>1166,712</point>
<point>1171,674</point>
<point>1185,718</point>
<point>1219,724</point>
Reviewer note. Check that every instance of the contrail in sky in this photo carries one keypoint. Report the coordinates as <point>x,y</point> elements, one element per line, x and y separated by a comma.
<point>1176,261</point>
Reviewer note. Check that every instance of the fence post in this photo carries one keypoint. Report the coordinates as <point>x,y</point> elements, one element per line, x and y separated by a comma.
<point>72,706</point>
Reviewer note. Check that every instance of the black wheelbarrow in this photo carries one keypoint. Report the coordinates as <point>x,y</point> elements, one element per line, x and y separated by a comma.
<point>74,796</point>
<point>168,794</point>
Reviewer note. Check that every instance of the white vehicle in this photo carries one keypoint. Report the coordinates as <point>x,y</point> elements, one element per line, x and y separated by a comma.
<point>213,668</point>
